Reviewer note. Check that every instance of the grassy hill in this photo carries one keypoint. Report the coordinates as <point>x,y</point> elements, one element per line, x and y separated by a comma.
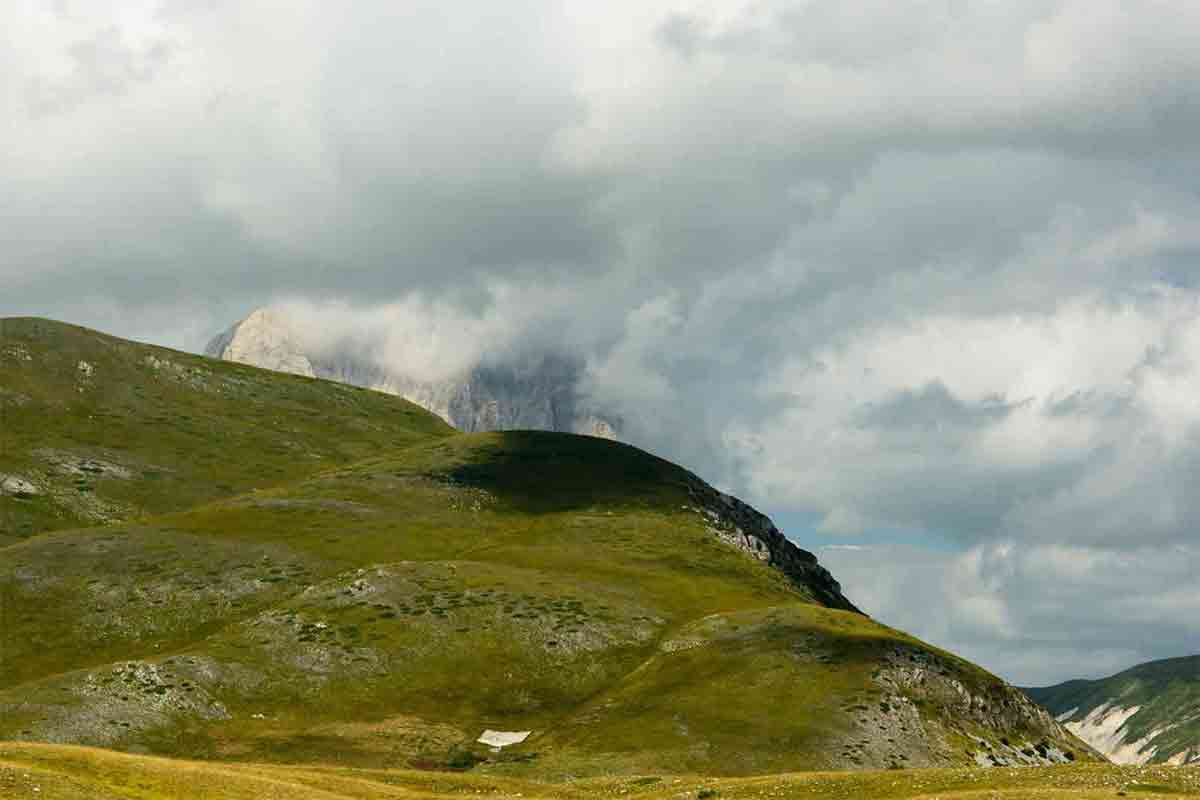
<point>209,561</point>
<point>1147,714</point>
<point>105,429</point>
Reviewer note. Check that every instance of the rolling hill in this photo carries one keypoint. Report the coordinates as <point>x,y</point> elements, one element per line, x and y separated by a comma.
<point>205,560</point>
<point>1149,714</point>
<point>97,429</point>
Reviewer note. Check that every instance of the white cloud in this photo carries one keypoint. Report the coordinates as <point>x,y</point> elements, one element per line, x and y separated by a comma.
<point>998,425</point>
<point>1035,614</point>
<point>427,338</point>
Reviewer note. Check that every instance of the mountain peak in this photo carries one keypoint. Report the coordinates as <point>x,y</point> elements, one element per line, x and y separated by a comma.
<point>264,339</point>
<point>539,391</point>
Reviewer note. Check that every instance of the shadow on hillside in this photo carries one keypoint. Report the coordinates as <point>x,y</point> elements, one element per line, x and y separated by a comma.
<point>543,472</point>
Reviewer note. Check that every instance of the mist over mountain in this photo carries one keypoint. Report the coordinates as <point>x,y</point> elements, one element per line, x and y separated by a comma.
<point>528,391</point>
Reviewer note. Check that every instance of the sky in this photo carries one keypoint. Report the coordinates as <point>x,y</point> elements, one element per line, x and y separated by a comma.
<point>920,279</point>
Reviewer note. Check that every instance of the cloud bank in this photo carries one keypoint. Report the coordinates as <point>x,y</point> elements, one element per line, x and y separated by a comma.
<point>912,267</point>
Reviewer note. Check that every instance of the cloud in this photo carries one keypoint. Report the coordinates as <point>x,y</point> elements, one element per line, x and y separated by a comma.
<point>1016,426</point>
<point>429,338</point>
<point>909,267</point>
<point>103,64</point>
<point>1034,613</point>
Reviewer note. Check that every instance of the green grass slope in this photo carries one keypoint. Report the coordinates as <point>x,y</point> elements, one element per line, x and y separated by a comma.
<point>392,589</point>
<point>95,429</point>
<point>1152,710</point>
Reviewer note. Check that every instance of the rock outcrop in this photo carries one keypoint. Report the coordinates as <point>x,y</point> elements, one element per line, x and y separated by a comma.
<point>531,392</point>
<point>739,524</point>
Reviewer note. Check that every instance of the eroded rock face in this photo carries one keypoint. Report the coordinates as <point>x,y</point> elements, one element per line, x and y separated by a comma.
<point>538,392</point>
<point>996,708</point>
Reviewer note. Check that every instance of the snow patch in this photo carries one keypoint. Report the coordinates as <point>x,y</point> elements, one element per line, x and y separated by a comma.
<point>499,739</point>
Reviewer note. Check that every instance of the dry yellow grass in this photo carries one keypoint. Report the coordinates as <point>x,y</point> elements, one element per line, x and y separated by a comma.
<point>54,772</point>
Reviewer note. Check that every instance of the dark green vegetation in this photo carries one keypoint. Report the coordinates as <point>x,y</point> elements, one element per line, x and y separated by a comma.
<point>1167,697</point>
<point>211,561</point>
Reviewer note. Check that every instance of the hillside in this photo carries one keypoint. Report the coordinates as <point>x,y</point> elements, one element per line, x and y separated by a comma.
<point>207,560</point>
<point>1147,714</point>
<point>97,429</point>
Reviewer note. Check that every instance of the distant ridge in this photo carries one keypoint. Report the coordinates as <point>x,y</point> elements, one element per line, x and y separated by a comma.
<point>1148,714</point>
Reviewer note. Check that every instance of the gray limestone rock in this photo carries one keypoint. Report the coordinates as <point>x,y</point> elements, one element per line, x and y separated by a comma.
<point>533,392</point>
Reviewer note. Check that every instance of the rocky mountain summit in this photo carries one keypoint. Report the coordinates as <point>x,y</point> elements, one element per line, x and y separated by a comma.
<point>533,392</point>
<point>1148,714</point>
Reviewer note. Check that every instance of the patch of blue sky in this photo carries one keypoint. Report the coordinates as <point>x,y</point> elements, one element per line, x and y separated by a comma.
<point>804,528</point>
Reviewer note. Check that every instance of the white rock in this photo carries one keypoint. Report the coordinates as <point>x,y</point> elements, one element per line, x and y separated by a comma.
<point>12,484</point>
<point>1104,729</point>
<point>500,739</point>
<point>263,339</point>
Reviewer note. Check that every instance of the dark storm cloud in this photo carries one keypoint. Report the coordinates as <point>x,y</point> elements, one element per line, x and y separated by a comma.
<point>915,265</point>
